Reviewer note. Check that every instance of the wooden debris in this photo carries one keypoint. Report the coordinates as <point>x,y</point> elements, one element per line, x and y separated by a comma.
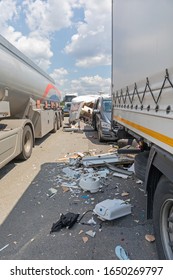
<point>85,239</point>
<point>150,237</point>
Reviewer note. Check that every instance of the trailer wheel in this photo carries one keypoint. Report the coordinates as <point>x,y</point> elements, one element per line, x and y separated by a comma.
<point>163,218</point>
<point>27,143</point>
<point>140,164</point>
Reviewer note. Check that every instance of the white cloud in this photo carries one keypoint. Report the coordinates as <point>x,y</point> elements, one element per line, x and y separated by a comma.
<point>48,16</point>
<point>59,77</point>
<point>43,19</point>
<point>93,61</point>
<point>91,85</point>
<point>91,44</point>
<point>8,11</point>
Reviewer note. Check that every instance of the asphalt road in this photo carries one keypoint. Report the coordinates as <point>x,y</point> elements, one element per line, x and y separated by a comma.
<point>27,211</point>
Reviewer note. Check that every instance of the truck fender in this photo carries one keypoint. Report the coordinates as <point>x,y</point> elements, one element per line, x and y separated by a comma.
<point>159,163</point>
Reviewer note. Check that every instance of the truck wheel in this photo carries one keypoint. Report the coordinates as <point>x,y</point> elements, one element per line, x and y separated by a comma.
<point>27,143</point>
<point>61,119</point>
<point>140,164</point>
<point>58,122</point>
<point>100,135</point>
<point>163,218</point>
<point>94,125</point>
<point>55,124</point>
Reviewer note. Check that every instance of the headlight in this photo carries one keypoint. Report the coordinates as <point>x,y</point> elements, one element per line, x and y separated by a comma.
<point>105,125</point>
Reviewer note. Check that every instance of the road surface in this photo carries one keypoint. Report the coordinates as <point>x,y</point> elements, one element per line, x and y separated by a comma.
<point>27,211</point>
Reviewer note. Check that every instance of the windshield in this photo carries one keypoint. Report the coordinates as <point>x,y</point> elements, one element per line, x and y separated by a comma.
<point>69,98</point>
<point>107,105</point>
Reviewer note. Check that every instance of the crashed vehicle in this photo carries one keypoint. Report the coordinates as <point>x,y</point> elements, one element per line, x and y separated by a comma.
<point>101,118</point>
<point>82,108</point>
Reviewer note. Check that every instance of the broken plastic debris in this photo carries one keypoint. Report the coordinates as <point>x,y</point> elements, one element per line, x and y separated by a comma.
<point>102,173</point>
<point>91,233</point>
<point>102,159</point>
<point>51,192</point>
<point>120,175</point>
<point>112,209</point>
<point>91,222</point>
<point>119,170</point>
<point>71,173</point>
<point>139,182</point>
<point>69,185</point>
<point>132,168</point>
<point>90,184</point>
<point>99,159</point>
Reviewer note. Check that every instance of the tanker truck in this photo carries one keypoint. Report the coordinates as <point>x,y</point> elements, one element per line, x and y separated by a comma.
<point>142,96</point>
<point>29,104</point>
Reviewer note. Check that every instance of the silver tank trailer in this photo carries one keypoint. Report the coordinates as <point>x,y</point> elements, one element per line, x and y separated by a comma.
<point>21,79</point>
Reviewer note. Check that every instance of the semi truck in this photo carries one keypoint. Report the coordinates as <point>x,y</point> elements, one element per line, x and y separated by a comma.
<point>29,104</point>
<point>142,96</point>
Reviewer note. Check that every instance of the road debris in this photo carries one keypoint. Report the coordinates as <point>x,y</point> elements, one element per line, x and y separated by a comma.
<point>112,209</point>
<point>85,239</point>
<point>102,159</point>
<point>120,175</point>
<point>90,184</point>
<point>125,194</point>
<point>92,222</point>
<point>121,253</point>
<point>150,237</point>
<point>67,220</point>
<point>120,170</point>
<point>51,192</point>
<point>71,173</point>
<point>3,248</point>
<point>91,233</point>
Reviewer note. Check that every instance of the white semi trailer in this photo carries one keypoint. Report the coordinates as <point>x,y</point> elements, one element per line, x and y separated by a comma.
<point>29,104</point>
<point>142,93</point>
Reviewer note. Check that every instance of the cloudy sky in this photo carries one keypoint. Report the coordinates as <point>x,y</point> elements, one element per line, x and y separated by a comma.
<point>69,39</point>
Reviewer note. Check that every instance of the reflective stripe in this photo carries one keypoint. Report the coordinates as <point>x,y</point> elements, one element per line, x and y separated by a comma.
<point>161,137</point>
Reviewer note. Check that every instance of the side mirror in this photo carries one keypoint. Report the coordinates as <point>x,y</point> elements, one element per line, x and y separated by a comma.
<point>96,111</point>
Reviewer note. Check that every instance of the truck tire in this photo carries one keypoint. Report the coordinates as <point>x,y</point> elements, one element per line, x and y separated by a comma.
<point>27,143</point>
<point>163,218</point>
<point>140,164</point>
<point>58,122</point>
<point>55,125</point>
<point>100,135</point>
<point>61,119</point>
<point>94,125</point>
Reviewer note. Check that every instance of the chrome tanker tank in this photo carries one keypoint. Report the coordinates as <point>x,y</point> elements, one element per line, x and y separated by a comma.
<point>21,79</point>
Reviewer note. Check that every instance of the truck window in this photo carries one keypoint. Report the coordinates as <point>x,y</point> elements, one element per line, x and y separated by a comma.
<point>107,105</point>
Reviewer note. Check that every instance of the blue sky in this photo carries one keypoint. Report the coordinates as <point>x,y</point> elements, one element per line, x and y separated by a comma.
<point>69,39</point>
